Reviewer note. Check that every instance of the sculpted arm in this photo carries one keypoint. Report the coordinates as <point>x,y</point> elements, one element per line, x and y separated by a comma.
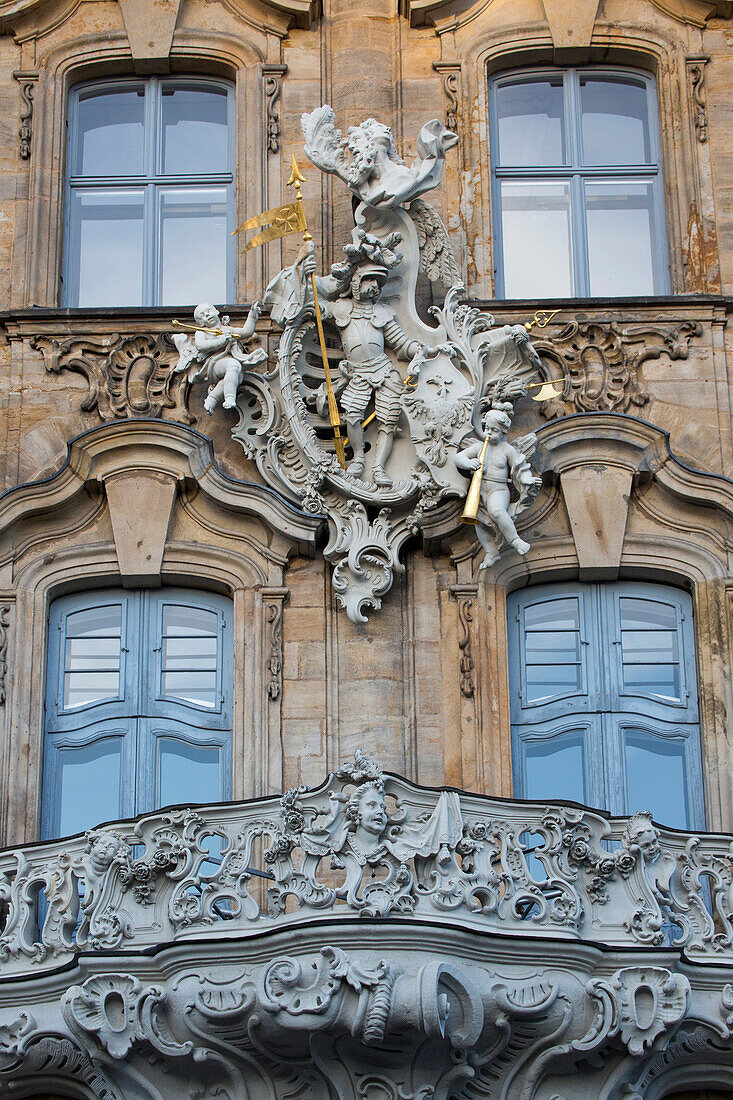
<point>207,343</point>
<point>399,341</point>
<point>468,459</point>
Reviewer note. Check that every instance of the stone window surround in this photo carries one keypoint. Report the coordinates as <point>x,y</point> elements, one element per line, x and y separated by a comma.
<point>257,181</point>
<point>478,53</point>
<point>141,504</point>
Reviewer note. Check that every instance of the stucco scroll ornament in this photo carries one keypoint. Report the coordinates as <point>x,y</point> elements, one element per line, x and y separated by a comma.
<point>409,390</point>
<point>380,852</point>
<point>215,354</point>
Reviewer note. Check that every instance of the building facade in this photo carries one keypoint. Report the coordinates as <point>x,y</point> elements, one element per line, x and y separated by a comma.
<point>443,826</point>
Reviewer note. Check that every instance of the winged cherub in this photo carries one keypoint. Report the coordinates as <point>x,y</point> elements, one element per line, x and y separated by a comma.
<point>368,162</point>
<point>214,354</point>
<point>504,464</point>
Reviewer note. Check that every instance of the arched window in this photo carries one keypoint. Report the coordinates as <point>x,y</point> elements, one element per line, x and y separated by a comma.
<point>138,705</point>
<point>576,183</point>
<point>603,699</point>
<point>150,193</point>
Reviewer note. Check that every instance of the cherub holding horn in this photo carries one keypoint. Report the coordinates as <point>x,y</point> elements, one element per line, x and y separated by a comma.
<point>502,465</point>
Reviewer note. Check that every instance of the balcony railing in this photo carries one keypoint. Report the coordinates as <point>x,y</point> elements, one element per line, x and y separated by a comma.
<point>367,844</point>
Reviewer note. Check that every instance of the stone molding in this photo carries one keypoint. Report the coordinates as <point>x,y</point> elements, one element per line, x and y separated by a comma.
<point>159,447</point>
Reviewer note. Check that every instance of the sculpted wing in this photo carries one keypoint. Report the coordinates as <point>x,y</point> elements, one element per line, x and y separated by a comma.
<point>436,255</point>
<point>526,444</point>
<point>187,356</point>
<point>323,144</point>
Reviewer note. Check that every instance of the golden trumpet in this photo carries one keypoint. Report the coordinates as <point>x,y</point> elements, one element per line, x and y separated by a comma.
<point>473,499</point>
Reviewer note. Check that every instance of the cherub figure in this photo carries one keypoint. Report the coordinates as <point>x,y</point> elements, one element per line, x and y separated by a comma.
<point>504,464</point>
<point>215,355</point>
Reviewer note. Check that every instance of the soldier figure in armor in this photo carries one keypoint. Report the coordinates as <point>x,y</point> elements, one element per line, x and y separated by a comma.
<point>366,327</point>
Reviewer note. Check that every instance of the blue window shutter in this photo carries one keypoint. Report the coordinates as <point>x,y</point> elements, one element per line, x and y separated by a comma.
<point>116,727</point>
<point>636,714</point>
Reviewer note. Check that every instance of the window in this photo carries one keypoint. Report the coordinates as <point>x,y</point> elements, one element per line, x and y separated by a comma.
<point>138,705</point>
<point>577,189</point>
<point>149,202</point>
<point>603,699</point>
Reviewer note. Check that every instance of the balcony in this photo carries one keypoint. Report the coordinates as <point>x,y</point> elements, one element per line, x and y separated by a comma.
<point>367,924</point>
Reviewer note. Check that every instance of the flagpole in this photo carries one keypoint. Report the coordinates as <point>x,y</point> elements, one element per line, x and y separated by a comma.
<point>333,411</point>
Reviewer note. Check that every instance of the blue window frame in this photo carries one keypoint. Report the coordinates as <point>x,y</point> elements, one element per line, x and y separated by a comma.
<point>150,193</point>
<point>138,705</point>
<point>604,701</point>
<point>577,184</point>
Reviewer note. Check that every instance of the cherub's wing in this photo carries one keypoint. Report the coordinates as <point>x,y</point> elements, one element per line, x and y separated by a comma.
<point>526,444</point>
<point>322,140</point>
<point>436,255</point>
<point>187,356</point>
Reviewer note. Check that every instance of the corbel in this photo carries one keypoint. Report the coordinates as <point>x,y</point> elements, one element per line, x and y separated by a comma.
<point>465,596</point>
<point>695,68</point>
<point>451,74</point>
<point>273,600</point>
<point>272,77</point>
<point>27,81</point>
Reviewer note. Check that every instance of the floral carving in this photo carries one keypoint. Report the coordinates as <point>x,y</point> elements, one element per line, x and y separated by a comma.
<point>128,376</point>
<point>272,75</point>
<point>599,365</point>
<point>465,595</point>
<point>698,95</point>
<point>27,81</point>
<point>451,73</point>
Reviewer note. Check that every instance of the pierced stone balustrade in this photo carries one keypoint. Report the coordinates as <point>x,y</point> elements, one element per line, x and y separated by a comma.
<point>367,844</point>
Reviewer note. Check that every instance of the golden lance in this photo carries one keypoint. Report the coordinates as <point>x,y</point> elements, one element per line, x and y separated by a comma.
<point>473,499</point>
<point>296,178</point>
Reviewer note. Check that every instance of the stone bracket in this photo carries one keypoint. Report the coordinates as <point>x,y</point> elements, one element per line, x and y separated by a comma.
<point>451,73</point>
<point>272,76</point>
<point>27,80</point>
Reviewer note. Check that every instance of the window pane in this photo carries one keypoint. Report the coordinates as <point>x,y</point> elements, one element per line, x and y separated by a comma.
<point>535,219</point>
<point>561,614</point>
<point>622,240</point>
<point>551,645</point>
<point>185,622</point>
<point>531,125</point>
<point>107,248</point>
<point>89,779</point>
<point>195,131</point>
<point>544,681</point>
<point>191,687</point>
<point>653,679</point>
<point>666,795</point>
<point>193,245</point>
<point>649,645</point>
<point>555,768</point>
<point>615,124</point>
<point>639,614</point>
<point>92,655</point>
<point>109,133</point>
<point>187,773</point>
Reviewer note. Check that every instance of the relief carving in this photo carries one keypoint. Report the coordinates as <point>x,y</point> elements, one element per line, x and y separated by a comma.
<point>274,615</point>
<point>698,95</point>
<point>4,622</point>
<point>128,376</point>
<point>27,81</point>
<point>600,365</point>
<point>272,76</point>
<point>465,596</point>
<point>451,73</point>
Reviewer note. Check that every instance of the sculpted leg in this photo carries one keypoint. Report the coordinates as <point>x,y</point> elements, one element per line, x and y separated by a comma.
<point>214,396</point>
<point>384,449</point>
<point>231,382</point>
<point>356,439</point>
<point>497,509</point>
<point>487,540</point>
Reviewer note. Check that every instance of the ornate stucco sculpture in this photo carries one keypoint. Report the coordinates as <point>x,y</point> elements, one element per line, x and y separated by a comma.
<point>502,465</point>
<point>409,393</point>
<point>214,354</point>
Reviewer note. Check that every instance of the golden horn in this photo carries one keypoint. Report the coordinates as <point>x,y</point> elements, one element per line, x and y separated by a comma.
<point>473,499</point>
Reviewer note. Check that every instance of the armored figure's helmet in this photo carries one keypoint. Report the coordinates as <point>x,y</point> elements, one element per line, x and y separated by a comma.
<point>369,271</point>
